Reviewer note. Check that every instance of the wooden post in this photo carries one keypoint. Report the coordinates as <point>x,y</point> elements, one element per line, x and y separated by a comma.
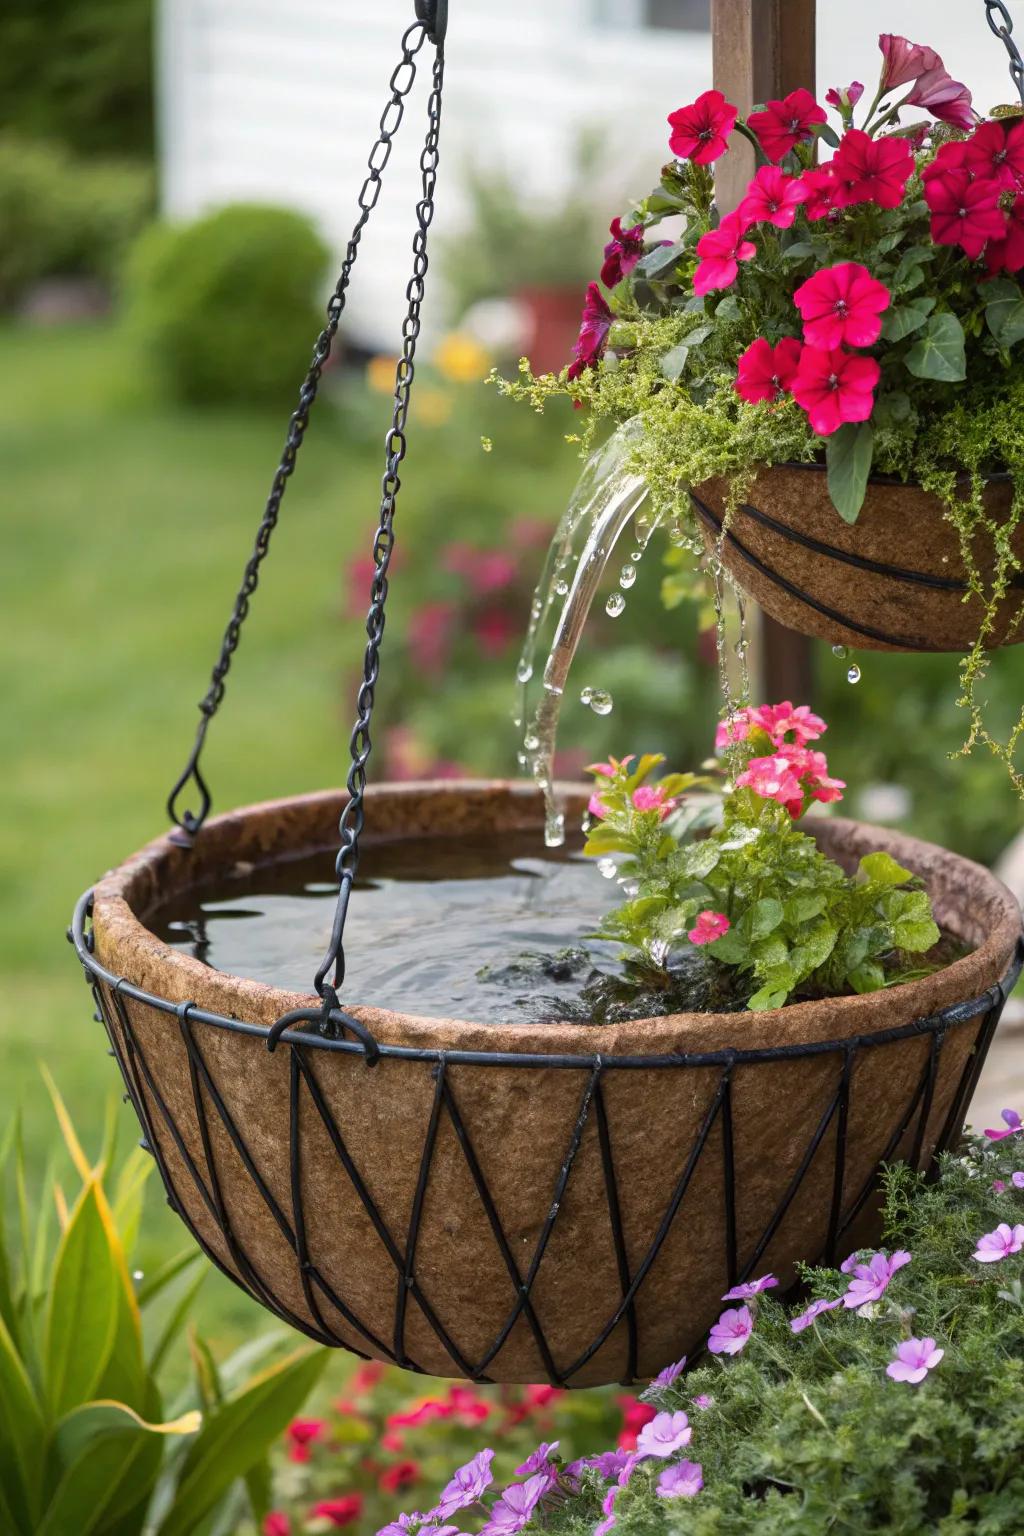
<point>762,49</point>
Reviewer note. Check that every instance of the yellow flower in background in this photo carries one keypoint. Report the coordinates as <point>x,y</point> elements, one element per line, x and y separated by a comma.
<point>431,406</point>
<point>380,374</point>
<point>461,359</point>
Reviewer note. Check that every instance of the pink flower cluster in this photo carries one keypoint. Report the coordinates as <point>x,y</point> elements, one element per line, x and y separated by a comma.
<point>793,775</point>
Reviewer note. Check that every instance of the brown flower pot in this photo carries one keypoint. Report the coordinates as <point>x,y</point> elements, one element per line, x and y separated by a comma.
<point>524,1202</point>
<point>892,581</point>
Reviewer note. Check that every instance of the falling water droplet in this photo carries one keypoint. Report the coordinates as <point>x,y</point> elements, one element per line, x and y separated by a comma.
<point>522,759</point>
<point>637,556</point>
<point>615,605</point>
<point>531,741</point>
<point>607,868</point>
<point>524,672</point>
<point>627,576</point>
<point>138,1276</point>
<point>741,647</point>
<point>600,701</point>
<point>486,444</point>
<point>840,652</point>
<point>554,830</point>
<point>586,694</point>
<point>853,676</point>
<point>561,587</point>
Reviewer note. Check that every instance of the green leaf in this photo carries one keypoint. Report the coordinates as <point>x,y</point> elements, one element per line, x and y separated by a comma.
<point>660,260</point>
<point>674,361</point>
<point>1004,311</point>
<point>891,408</point>
<point>731,948</point>
<point>800,909</point>
<point>906,318</point>
<point>908,272</point>
<point>798,250</point>
<point>915,935</point>
<point>764,917</point>
<point>82,1306</point>
<point>236,1437</point>
<point>768,997</point>
<point>728,309</point>
<point>939,354</point>
<point>22,1432</point>
<point>868,977</point>
<point>883,869</point>
<point>849,455</point>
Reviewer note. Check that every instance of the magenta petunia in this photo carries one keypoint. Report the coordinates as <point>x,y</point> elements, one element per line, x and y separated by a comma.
<point>871,1280</point>
<point>467,1485</point>
<point>708,927</point>
<point>765,372</point>
<point>845,97</point>
<point>664,1435</point>
<point>622,252</point>
<point>720,252</point>
<point>904,61</point>
<point>680,1481</point>
<point>730,1334</point>
<point>1007,254</point>
<point>822,189</point>
<point>784,124</point>
<point>1012,1122</point>
<point>607,1464</point>
<point>998,1187</point>
<point>700,131</point>
<point>816,1308</point>
<point>670,1374</point>
<point>999,1244</point>
<point>964,212</point>
<point>871,170</point>
<point>834,387</point>
<point>750,1288</point>
<point>594,327</point>
<point>913,1359</point>
<point>995,152</point>
<point>842,305</point>
<point>773,198</point>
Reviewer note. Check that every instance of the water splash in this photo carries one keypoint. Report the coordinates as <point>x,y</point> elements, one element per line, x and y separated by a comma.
<point>609,497</point>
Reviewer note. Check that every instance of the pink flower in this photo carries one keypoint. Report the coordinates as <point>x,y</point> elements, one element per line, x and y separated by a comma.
<point>702,1400</point>
<point>594,328</point>
<point>300,1435</point>
<point>822,189</point>
<point>622,252</point>
<point>664,1435</point>
<point>1013,1125</point>
<point>945,98</point>
<point>765,372</point>
<point>845,97</point>
<point>666,1377</point>
<point>708,927</point>
<point>834,387</point>
<point>842,304</point>
<point>871,1280</point>
<point>998,1187</point>
<point>773,198</point>
<point>486,570</point>
<point>429,633</point>
<point>1017,1180</point>
<point>653,798</point>
<point>1000,1243</point>
<point>772,778</point>
<point>913,1359</point>
<point>964,212</point>
<point>816,781</point>
<point>720,251</point>
<point>597,808</point>
<point>338,1512</point>
<point>995,152</point>
<point>871,170</point>
<point>784,124</point>
<point>700,131</point>
<point>903,61</point>
<point>612,767</point>
<point>751,1288</point>
<point>1007,255</point>
<point>730,1334</point>
<point>782,720</point>
<point>494,631</point>
<point>276,1524</point>
<point>736,728</point>
<point>816,1308</point>
<point>681,1481</point>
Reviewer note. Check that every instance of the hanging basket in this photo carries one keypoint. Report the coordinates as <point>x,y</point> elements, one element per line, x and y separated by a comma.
<point>524,1202</point>
<point>892,581</point>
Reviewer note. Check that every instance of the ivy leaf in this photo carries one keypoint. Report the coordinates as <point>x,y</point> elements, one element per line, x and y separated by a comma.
<point>1004,311</point>
<point>661,259</point>
<point>940,352</point>
<point>849,455</point>
<point>906,318</point>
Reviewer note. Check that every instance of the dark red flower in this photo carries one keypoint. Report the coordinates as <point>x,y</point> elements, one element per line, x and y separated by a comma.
<point>842,305</point>
<point>622,252</point>
<point>594,328</point>
<point>338,1512</point>
<point>871,170</point>
<point>700,131</point>
<point>720,250</point>
<point>996,153</point>
<point>784,124</point>
<point>765,372</point>
<point>822,187</point>
<point>1007,255</point>
<point>834,387</point>
<point>773,198</point>
<point>964,212</point>
<point>402,1475</point>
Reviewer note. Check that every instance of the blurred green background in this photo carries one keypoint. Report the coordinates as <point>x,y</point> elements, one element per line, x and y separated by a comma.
<point>140,424</point>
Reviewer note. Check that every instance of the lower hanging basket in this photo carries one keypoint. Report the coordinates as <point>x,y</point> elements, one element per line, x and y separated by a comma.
<point>892,581</point>
<point>525,1202</point>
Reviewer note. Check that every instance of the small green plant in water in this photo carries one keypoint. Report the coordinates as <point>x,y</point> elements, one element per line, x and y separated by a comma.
<point>776,918</point>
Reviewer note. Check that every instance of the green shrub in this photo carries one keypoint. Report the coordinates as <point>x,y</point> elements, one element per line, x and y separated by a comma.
<point>227,306</point>
<point>62,217</point>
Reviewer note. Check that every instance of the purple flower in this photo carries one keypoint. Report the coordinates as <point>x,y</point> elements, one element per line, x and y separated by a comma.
<point>404,1523</point>
<point>1013,1123</point>
<point>466,1486</point>
<point>594,328</point>
<point>622,252</point>
<point>540,1461</point>
<point>816,1308</point>
<point>664,1435</point>
<point>913,1359</point>
<point>1017,1180</point>
<point>750,1288</point>
<point>998,1187</point>
<point>1000,1243</point>
<point>666,1377</point>
<point>871,1280</point>
<point>516,1505</point>
<point>681,1481</point>
<point>608,1463</point>
<point>848,1265</point>
<point>702,1400</point>
<point>731,1332</point>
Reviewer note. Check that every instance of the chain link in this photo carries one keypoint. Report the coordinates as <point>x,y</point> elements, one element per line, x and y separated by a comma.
<point>1001,24</point>
<point>402,79</point>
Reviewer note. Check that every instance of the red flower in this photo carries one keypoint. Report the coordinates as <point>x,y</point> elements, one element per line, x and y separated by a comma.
<point>773,198</point>
<point>871,170</point>
<point>785,123</point>
<point>634,1416</point>
<point>471,1408</point>
<point>300,1435</point>
<point>495,631</point>
<point>421,1412</point>
<point>1007,255</point>
<point>841,304</point>
<point>622,252</point>
<point>720,250</point>
<point>701,130</point>
<point>834,387</point>
<point>402,1475</point>
<point>964,212</point>
<point>996,153</point>
<point>366,1376</point>
<point>822,188</point>
<point>950,157</point>
<point>276,1524</point>
<point>338,1512</point>
<point>903,61</point>
<point>594,328</point>
<point>766,372</point>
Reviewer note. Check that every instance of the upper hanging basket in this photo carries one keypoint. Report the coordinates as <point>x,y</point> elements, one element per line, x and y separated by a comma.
<point>892,581</point>
<point>526,1202</point>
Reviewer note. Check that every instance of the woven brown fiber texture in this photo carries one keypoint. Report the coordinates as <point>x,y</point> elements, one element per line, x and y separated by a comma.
<point>819,575</point>
<point>518,1123</point>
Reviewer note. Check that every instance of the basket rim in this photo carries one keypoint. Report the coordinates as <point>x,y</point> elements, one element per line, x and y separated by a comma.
<point>957,991</point>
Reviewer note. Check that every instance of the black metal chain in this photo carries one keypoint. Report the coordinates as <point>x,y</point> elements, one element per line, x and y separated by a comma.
<point>1001,24</point>
<point>430,26</point>
<point>352,817</point>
